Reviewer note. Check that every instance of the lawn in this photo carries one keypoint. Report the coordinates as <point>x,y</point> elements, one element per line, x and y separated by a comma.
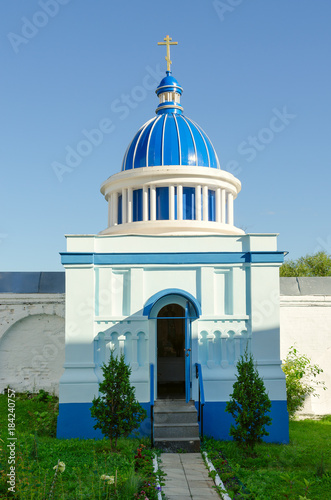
<point>88,463</point>
<point>299,470</point>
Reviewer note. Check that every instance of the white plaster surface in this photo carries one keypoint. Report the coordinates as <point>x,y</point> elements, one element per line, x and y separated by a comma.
<point>305,322</point>
<point>32,340</point>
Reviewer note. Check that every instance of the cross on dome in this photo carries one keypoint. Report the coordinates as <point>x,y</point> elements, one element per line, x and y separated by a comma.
<point>168,42</point>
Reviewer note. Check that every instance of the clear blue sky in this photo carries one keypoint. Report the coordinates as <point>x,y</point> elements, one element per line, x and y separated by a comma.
<point>68,65</point>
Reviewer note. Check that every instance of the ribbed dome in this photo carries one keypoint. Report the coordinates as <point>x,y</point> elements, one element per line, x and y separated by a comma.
<point>170,138</point>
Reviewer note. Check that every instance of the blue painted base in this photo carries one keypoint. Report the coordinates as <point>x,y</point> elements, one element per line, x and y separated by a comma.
<point>75,421</point>
<point>217,422</point>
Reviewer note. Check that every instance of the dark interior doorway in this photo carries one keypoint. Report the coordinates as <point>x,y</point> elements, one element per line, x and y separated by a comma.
<point>170,352</point>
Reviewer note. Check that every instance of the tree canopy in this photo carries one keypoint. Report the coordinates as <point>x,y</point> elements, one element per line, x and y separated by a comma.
<point>318,264</point>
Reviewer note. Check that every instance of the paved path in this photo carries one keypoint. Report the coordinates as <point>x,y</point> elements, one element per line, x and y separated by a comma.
<point>187,477</point>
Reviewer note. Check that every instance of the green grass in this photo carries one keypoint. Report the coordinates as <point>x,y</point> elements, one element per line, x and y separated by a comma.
<point>301,469</point>
<point>38,451</point>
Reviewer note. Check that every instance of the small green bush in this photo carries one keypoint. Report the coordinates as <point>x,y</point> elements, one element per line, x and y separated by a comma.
<point>117,411</point>
<point>300,375</point>
<point>249,405</point>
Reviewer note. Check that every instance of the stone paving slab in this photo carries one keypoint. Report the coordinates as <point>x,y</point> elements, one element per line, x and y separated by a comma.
<point>187,477</point>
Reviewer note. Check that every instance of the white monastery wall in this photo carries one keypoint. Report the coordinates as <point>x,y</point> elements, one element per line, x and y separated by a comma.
<point>305,322</point>
<point>32,334</point>
<point>31,341</point>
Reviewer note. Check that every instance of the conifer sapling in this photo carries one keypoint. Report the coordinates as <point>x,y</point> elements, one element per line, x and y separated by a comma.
<point>249,404</point>
<point>117,411</point>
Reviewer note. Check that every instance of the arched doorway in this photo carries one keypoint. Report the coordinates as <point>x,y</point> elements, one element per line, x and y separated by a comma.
<point>170,352</point>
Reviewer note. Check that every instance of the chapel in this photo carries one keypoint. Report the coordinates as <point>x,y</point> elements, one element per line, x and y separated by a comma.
<point>174,285</point>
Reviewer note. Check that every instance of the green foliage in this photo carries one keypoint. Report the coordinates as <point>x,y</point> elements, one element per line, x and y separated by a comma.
<point>86,461</point>
<point>117,411</point>
<point>249,404</point>
<point>318,264</point>
<point>300,379</point>
<point>279,471</point>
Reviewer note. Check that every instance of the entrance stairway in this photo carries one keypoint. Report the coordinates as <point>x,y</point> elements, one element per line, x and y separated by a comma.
<point>176,425</point>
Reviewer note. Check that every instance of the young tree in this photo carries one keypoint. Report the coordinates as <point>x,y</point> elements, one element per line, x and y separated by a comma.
<point>318,264</point>
<point>249,404</point>
<point>117,411</point>
<point>300,375</point>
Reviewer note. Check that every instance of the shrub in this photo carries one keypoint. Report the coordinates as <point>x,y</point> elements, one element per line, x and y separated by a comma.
<point>117,411</point>
<point>300,375</point>
<point>249,404</point>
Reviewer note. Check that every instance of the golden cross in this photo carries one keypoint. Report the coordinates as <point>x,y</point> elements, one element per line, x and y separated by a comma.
<point>168,42</point>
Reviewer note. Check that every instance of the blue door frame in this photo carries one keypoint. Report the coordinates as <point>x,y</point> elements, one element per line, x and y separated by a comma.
<point>187,354</point>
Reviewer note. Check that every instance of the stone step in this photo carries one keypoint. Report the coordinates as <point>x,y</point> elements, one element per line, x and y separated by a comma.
<point>171,445</point>
<point>174,405</point>
<point>175,416</point>
<point>177,431</point>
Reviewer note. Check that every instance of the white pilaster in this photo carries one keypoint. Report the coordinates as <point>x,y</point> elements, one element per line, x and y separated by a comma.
<point>129,205</point>
<point>171,202</point>
<point>207,290</point>
<point>230,209</point>
<point>205,202</point>
<point>179,202</point>
<point>198,203</point>
<point>124,210</point>
<point>145,203</point>
<point>223,206</point>
<point>115,208</point>
<point>153,202</point>
<point>218,205</point>
<point>109,211</point>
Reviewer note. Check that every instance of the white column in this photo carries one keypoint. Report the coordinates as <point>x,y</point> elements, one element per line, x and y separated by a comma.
<point>129,205</point>
<point>153,202</point>
<point>210,343</point>
<point>223,206</point>
<point>171,202</point>
<point>198,203</point>
<point>205,202</point>
<point>218,205</point>
<point>180,202</point>
<point>124,210</point>
<point>115,209</point>
<point>145,203</point>
<point>134,359</point>
<point>230,209</point>
<point>224,340</point>
<point>109,211</point>
<point>237,340</point>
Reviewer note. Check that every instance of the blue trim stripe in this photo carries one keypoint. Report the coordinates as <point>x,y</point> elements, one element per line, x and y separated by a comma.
<point>68,258</point>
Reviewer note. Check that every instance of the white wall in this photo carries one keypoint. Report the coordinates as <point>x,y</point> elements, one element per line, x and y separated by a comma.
<point>31,341</point>
<point>32,337</point>
<point>306,323</point>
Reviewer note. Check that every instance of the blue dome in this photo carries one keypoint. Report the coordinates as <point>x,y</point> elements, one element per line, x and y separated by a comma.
<point>169,83</point>
<point>170,138</point>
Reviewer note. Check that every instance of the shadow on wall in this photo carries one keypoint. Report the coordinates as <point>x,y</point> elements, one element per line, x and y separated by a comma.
<point>32,354</point>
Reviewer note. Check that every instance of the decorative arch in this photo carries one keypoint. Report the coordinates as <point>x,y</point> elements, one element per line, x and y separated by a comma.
<point>151,302</point>
<point>22,311</point>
